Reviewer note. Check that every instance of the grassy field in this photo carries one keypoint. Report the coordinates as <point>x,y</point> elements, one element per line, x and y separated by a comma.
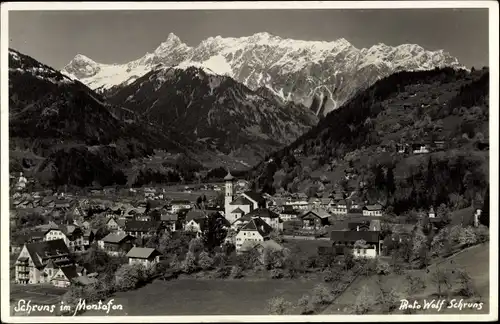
<point>207,297</point>
<point>36,294</point>
<point>475,260</point>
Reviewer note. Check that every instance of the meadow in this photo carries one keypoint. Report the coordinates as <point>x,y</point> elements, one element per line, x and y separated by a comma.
<point>207,297</point>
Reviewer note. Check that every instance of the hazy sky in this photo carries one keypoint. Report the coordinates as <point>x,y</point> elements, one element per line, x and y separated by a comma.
<point>55,37</point>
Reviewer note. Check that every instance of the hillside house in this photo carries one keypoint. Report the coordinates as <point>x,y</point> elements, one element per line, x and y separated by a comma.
<point>260,247</point>
<point>70,234</point>
<point>340,208</point>
<point>439,145</point>
<point>271,218</point>
<point>146,257</point>
<point>38,262</point>
<point>178,205</point>
<point>315,219</point>
<point>117,243</point>
<point>432,214</point>
<point>17,243</point>
<point>300,204</point>
<point>289,214</point>
<point>170,221</point>
<point>88,238</point>
<point>255,230</point>
<point>372,210</point>
<point>420,148</point>
<point>64,276</point>
<point>115,225</point>
<point>143,229</point>
<point>349,242</point>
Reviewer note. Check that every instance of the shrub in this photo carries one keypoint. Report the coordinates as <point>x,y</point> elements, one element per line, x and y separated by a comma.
<point>467,236</point>
<point>330,275</point>
<point>236,272</point>
<point>415,284</point>
<point>205,261</point>
<point>466,286</point>
<point>223,272</point>
<point>305,305</point>
<point>364,302</point>
<point>278,306</point>
<point>276,273</point>
<point>383,268</point>
<point>189,263</point>
<point>322,295</point>
<point>482,234</point>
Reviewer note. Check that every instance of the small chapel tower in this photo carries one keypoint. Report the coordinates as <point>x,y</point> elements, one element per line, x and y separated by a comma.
<point>229,195</point>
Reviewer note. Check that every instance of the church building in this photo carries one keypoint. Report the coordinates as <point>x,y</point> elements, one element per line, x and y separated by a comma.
<point>237,207</point>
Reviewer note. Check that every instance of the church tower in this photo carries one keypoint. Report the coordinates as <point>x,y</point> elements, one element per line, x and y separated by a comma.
<point>229,193</point>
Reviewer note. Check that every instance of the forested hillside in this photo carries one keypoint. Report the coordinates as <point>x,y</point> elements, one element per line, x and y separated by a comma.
<point>356,148</point>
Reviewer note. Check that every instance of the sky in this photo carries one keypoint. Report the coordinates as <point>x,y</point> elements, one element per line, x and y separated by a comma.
<point>55,37</point>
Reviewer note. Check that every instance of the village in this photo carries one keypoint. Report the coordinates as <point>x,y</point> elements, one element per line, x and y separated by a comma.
<point>50,229</point>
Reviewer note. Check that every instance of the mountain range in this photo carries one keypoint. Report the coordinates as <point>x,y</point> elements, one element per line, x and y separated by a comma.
<point>320,75</point>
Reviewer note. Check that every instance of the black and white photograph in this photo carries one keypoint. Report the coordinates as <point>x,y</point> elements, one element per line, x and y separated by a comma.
<point>249,161</point>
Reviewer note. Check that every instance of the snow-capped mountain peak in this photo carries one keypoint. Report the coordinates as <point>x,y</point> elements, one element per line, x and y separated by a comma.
<point>297,70</point>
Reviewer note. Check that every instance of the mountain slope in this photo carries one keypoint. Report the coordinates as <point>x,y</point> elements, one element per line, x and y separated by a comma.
<point>297,70</point>
<point>215,111</point>
<point>361,138</point>
<point>80,138</point>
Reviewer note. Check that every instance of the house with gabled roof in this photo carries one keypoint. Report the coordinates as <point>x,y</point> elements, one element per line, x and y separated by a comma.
<point>144,256</point>
<point>38,261</point>
<point>372,210</point>
<point>255,230</point>
<point>289,213</point>
<point>64,276</point>
<point>256,198</point>
<point>180,204</point>
<point>117,243</point>
<point>142,229</point>
<point>315,219</point>
<point>347,242</point>
<point>71,234</point>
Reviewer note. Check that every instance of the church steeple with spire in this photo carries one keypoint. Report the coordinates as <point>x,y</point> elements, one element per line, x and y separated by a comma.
<point>229,195</point>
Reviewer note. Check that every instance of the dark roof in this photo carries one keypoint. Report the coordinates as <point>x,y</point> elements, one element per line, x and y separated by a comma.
<point>228,176</point>
<point>259,225</point>
<point>195,214</point>
<point>180,202</point>
<point>241,201</point>
<point>317,212</point>
<point>373,207</point>
<point>238,211</point>
<point>116,237</point>
<point>142,253</point>
<point>169,217</point>
<point>141,226</point>
<point>69,272</point>
<point>46,250</point>
<point>255,196</point>
<point>262,213</point>
<point>353,236</point>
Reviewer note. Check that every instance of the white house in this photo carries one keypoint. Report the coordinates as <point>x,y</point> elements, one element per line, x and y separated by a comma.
<point>179,205</point>
<point>340,207</point>
<point>271,218</point>
<point>64,276</point>
<point>144,256</point>
<point>255,230</point>
<point>71,235</point>
<point>372,210</point>
<point>420,148</point>
<point>38,262</point>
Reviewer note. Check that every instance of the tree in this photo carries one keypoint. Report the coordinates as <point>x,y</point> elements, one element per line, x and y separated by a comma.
<point>387,297</point>
<point>466,285</point>
<point>205,261</point>
<point>196,245</point>
<point>484,218</point>
<point>214,232</point>
<point>390,182</point>
<point>278,306</point>
<point>364,301</point>
<point>467,236</point>
<point>189,263</point>
<point>441,278</point>
<point>321,295</point>
<point>414,284</point>
<point>305,305</point>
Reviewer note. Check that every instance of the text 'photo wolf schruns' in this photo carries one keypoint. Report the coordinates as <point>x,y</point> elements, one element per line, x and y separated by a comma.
<point>249,162</point>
